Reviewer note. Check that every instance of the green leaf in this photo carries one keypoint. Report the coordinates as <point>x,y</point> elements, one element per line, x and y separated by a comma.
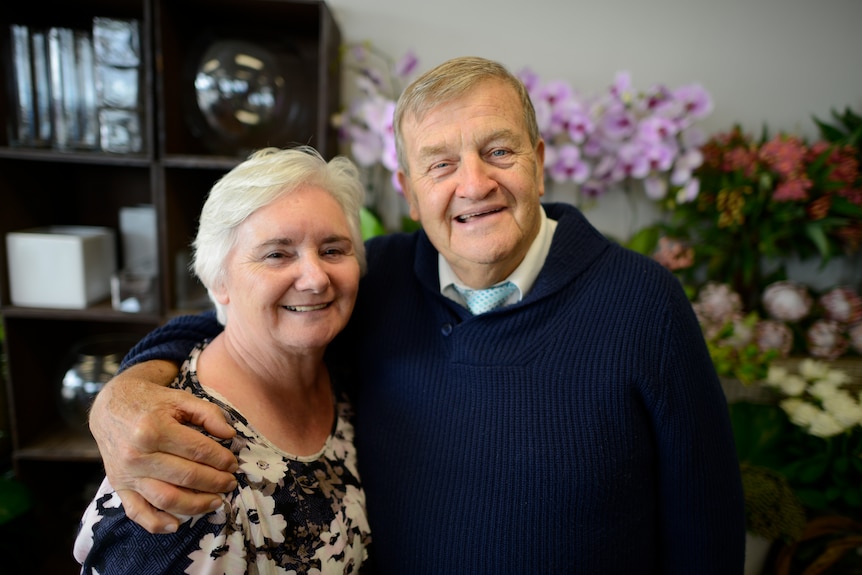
<point>813,498</point>
<point>759,431</point>
<point>852,497</point>
<point>410,225</point>
<point>370,225</point>
<point>818,237</point>
<point>844,207</point>
<point>14,499</point>
<point>828,132</point>
<point>808,470</point>
<point>644,241</point>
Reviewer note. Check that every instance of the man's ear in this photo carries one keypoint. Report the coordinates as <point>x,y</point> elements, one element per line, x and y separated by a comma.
<point>404,182</point>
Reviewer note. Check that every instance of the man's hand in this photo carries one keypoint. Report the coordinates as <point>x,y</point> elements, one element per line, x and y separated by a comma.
<point>158,465</point>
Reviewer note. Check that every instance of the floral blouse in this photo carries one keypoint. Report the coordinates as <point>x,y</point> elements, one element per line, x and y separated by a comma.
<point>288,514</point>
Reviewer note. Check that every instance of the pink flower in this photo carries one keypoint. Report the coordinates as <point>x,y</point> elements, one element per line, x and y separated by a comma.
<point>826,340</point>
<point>785,154</point>
<point>787,301</point>
<point>742,159</point>
<point>773,335</point>
<point>792,190</point>
<point>842,304</point>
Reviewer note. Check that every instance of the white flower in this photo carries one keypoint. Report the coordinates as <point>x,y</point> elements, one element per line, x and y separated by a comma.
<point>823,389</point>
<point>810,417</point>
<point>812,369</point>
<point>825,425</point>
<point>792,385</point>
<point>261,523</point>
<point>775,374</point>
<point>844,409</point>
<point>837,376</point>
<point>259,464</point>
<point>229,559</point>
<point>815,399</point>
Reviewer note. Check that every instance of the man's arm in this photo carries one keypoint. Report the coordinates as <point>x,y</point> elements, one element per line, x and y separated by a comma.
<point>158,465</point>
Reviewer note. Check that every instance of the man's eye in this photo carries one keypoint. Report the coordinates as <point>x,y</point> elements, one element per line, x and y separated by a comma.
<point>499,153</point>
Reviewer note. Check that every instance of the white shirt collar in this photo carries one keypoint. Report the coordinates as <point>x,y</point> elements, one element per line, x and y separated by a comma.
<point>524,275</point>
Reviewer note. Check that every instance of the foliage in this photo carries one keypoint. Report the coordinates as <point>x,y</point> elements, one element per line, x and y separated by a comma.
<point>847,130</point>
<point>767,198</point>
<point>805,422</point>
<point>772,509</point>
<point>825,471</point>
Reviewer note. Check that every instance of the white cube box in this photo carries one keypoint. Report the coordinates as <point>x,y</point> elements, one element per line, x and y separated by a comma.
<point>65,267</point>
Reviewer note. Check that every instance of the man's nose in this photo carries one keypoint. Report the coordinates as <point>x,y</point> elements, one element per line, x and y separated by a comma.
<point>476,179</point>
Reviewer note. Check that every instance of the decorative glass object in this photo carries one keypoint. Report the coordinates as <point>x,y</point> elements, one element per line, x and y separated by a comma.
<point>91,364</point>
<point>249,96</point>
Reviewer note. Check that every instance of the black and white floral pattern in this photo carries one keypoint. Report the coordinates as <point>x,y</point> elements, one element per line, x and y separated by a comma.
<point>288,514</point>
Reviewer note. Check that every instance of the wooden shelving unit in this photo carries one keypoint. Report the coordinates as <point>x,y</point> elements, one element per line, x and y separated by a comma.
<point>40,187</point>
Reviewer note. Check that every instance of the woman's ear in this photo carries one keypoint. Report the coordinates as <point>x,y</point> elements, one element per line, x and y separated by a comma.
<point>218,292</point>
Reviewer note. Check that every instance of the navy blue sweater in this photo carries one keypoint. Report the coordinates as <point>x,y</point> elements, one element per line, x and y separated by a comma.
<point>582,430</point>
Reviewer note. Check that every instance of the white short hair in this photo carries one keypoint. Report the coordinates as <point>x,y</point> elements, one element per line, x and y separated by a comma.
<point>265,176</point>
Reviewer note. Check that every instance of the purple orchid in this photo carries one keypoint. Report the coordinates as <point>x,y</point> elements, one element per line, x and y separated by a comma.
<point>568,165</point>
<point>407,65</point>
<point>598,141</point>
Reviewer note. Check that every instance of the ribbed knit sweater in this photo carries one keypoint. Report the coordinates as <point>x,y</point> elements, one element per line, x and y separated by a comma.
<point>581,430</point>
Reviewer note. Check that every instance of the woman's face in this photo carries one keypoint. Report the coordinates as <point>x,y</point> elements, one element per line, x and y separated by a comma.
<point>292,276</point>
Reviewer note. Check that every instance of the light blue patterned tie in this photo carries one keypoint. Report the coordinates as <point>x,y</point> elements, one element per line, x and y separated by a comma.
<point>483,300</point>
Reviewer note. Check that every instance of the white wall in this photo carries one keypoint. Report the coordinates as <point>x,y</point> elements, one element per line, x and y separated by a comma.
<point>773,62</point>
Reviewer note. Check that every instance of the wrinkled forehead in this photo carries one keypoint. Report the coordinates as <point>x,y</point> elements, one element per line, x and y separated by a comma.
<point>420,105</point>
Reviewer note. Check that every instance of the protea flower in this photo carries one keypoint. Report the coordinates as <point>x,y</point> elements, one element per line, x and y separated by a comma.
<point>773,335</point>
<point>716,305</point>
<point>787,301</point>
<point>826,339</point>
<point>842,304</point>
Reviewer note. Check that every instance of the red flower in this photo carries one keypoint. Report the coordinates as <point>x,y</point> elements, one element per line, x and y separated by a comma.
<point>794,190</point>
<point>785,155</point>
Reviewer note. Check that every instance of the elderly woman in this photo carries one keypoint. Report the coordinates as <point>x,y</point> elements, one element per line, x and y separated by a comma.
<point>280,252</point>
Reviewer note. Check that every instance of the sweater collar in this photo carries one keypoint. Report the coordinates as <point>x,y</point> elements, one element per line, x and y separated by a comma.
<point>576,245</point>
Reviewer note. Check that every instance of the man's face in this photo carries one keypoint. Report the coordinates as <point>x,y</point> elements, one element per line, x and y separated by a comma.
<point>475,181</point>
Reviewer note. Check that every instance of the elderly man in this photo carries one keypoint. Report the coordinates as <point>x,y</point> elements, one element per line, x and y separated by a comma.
<point>575,426</point>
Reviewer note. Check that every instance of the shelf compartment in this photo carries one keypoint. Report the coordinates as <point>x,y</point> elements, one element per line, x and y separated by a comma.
<point>303,38</point>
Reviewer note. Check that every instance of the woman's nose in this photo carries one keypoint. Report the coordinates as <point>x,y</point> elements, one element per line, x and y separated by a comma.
<point>312,275</point>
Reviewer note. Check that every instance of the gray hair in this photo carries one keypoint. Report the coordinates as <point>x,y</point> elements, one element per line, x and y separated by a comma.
<point>265,176</point>
<point>450,80</point>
